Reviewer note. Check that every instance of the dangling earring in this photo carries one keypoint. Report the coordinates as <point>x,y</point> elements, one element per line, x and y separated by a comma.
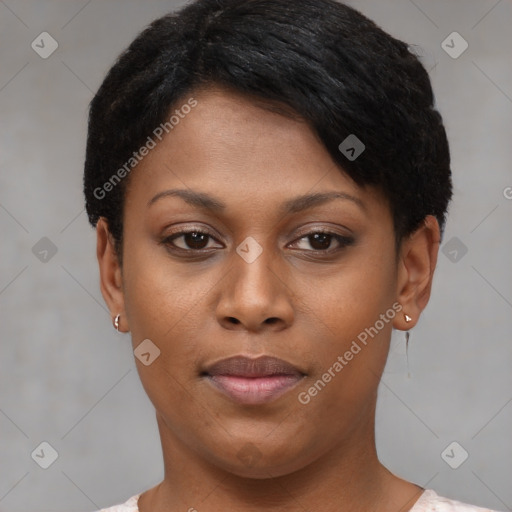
<point>407,319</point>
<point>116,322</point>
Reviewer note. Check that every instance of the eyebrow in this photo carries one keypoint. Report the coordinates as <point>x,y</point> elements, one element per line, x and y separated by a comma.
<point>295,205</point>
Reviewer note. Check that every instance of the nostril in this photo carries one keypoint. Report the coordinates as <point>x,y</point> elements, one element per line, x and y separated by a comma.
<point>233,320</point>
<point>272,320</point>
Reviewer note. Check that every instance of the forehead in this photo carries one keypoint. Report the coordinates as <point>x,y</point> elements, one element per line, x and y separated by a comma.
<point>241,150</point>
<point>229,132</point>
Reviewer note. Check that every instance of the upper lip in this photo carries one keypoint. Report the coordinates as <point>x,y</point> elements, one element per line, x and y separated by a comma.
<point>243,366</point>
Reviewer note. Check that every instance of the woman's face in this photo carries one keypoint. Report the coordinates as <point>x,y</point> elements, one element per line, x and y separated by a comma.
<point>258,282</point>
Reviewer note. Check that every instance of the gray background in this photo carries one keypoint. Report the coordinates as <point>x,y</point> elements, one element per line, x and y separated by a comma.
<point>66,377</point>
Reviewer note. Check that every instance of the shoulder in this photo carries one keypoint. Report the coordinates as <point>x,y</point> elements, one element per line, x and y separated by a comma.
<point>128,506</point>
<point>429,501</point>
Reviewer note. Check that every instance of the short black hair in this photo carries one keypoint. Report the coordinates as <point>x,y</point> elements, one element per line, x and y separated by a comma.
<point>325,61</point>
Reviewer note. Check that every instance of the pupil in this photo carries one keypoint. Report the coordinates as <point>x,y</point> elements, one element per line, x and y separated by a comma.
<point>196,240</point>
<point>323,240</point>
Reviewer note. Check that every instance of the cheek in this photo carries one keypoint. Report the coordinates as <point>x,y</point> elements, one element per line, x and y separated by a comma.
<point>158,294</point>
<point>346,309</point>
<point>352,297</point>
<point>162,305</point>
<point>169,302</point>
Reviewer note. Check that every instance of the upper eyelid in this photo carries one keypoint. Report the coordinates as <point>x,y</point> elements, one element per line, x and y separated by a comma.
<point>185,231</point>
<point>304,231</point>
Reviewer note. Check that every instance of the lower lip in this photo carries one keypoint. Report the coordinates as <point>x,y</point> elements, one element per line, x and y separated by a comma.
<point>254,390</point>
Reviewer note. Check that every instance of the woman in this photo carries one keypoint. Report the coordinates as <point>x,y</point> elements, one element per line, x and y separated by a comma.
<point>269,182</point>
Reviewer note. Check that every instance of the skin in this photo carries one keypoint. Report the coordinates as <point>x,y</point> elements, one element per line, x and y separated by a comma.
<point>291,302</point>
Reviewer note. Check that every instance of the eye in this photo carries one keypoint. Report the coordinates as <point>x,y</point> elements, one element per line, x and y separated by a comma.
<point>321,241</point>
<point>199,240</point>
<point>190,240</point>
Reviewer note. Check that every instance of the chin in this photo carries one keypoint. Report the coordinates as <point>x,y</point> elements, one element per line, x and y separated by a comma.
<point>247,460</point>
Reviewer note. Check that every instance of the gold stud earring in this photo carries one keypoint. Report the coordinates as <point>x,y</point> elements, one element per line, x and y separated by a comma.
<point>407,318</point>
<point>116,322</point>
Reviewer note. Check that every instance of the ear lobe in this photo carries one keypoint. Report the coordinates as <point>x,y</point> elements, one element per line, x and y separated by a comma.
<point>111,282</point>
<point>417,262</point>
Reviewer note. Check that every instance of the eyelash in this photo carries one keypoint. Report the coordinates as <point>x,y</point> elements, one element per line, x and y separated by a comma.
<point>343,241</point>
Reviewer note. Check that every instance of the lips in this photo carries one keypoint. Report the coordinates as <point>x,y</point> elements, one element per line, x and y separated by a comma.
<point>242,366</point>
<point>253,381</point>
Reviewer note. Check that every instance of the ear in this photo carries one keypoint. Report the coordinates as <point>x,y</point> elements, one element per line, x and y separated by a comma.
<point>416,265</point>
<point>111,281</point>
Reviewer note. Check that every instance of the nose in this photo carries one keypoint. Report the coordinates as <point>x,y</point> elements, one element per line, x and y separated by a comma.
<point>255,295</point>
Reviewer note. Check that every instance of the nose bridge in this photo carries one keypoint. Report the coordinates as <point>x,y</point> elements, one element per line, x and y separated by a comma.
<point>254,294</point>
<point>252,275</point>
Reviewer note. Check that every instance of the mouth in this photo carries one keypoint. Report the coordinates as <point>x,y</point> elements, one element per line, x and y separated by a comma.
<point>253,381</point>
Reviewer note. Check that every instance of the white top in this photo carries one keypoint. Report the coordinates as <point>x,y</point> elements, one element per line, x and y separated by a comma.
<point>429,501</point>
